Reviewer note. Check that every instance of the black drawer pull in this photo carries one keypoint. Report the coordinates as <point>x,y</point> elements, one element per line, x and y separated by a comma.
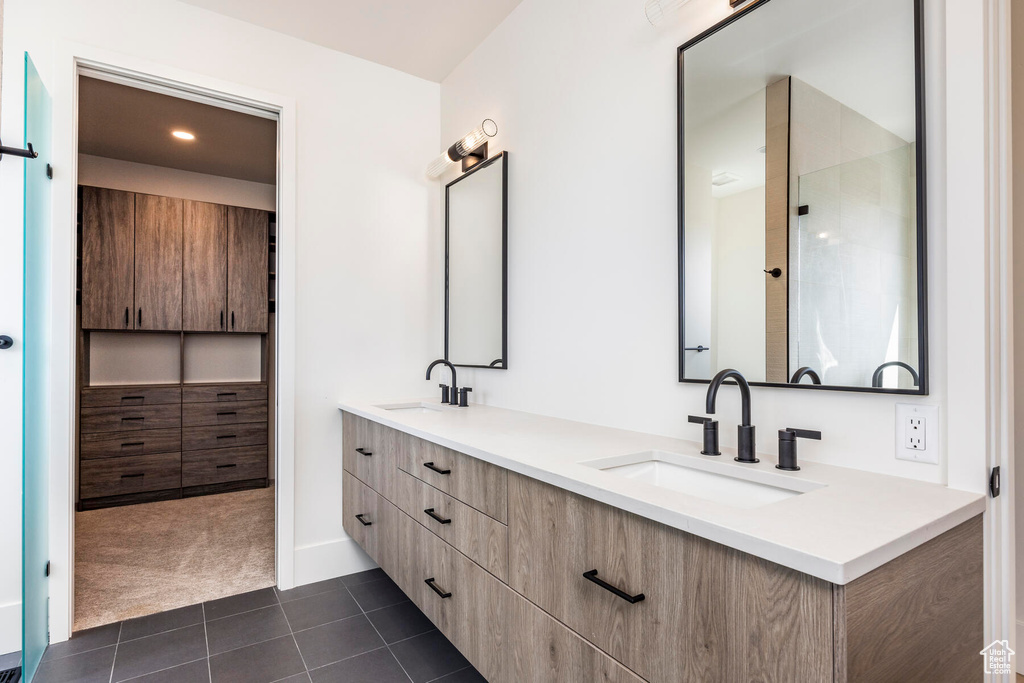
<point>433,587</point>
<point>132,476</point>
<point>133,443</point>
<point>224,467</point>
<point>227,393</point>
<point>126,317</point>
<point>229,412</point>
<point>363,521</point>
<point>432,466</point>
<point>433,515</point>
<point>228,436</point>
<point>132,419</point>
<point>363,451</point>
<point>632,599</point>
<point>133,398</point>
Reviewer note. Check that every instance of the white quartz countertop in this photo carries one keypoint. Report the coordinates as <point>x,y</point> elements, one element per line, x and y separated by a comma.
<point>849,522</point>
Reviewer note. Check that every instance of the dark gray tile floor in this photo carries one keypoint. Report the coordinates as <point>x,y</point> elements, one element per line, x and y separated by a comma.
<point>355,629</point>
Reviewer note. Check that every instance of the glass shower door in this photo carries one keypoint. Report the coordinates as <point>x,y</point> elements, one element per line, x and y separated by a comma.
<point>36,377</point>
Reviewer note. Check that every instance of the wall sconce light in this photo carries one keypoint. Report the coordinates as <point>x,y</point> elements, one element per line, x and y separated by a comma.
<point>657,9</point>
<point>471,149</point>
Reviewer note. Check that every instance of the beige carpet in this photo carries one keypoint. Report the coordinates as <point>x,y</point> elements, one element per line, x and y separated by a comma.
<point>142,559</point>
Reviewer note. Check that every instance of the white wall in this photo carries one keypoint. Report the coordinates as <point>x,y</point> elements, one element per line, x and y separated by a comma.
<point>585,99</point>
<point>1017,74</point>
<point>369,238</point>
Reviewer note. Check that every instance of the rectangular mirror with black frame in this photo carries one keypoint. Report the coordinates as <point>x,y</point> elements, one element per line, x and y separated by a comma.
<point>801,197</point>
<point>476,266</point>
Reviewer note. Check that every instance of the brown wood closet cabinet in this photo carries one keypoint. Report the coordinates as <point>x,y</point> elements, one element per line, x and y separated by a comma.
<point>248,241</point>
<point>158,264</point>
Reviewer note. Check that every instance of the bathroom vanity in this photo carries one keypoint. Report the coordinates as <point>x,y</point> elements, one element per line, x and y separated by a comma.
<point>551,550</point>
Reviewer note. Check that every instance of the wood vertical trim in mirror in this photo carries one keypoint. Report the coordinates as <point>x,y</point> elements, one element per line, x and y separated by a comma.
<point>776,235</point>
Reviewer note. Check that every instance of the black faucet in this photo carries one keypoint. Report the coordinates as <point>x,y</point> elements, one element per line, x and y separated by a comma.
<point>745,442</point>
<point>876,378</point>
<point>787,446</point>
<point>448,395</point>
<point>805,372</point>
<point>710,434</point>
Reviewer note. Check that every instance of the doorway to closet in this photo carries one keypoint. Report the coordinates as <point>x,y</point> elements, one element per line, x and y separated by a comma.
<point>175,348</point>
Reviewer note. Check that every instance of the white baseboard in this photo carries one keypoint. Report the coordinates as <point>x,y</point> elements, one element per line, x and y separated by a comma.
<point>10,628</point>
<point>329,560</point>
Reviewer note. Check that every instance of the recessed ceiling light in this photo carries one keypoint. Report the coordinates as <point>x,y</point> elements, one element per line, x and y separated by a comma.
<point>183,135</point>
<point>724,178</point>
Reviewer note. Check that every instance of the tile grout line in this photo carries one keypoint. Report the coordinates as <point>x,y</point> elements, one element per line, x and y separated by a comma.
<point>465,668</point>
<point>166,668</point>
<point>291,631</point>
<point>113,662</point>
<point>206,638</point>
<point>387,645</point>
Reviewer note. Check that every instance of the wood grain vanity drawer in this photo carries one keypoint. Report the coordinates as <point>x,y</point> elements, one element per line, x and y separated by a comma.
<point>725,615</point>
<point>238,412</point>
<point>479,484</point>
<point>221,465</point>
<point>116,419</point>
<point>131,474</point>
<point>223,393</point>
<point>372,521</point>
<point>129,396</point>
<point>223,436</point>
<point>119,444</point>
<point>483,539</point>
<point>369,453</point>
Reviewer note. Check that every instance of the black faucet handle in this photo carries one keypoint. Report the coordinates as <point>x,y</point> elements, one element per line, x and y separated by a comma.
<point>787,446</point>
<point>710,434</point>
<point>464,396</point>
<point>801,433</point>
<point>698,420</point>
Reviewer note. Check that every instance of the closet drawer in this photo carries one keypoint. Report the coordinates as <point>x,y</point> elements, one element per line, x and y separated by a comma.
<point>482,538</point>
<point>372,521</point>
<point>221,465</point>
<point>221,393</point>
<point>238,412</point>
<point>368,452</point>
<point>692,588</point>
<point>130,419</point>
<point>141,442</point>
<point>131,474</point>
<point>129,396</point>
<point>203,438</point>
<point>477,483</point>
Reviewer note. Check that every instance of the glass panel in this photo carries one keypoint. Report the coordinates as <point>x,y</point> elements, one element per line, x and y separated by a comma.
<point>35,590</point>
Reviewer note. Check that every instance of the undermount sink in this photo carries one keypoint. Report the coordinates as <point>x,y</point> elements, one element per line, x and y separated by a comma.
<point>707,479</point>
<point>418,407</point>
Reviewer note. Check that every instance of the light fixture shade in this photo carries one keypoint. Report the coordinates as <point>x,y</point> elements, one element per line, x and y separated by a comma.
<point>657,9</point>
<point>463,147</point>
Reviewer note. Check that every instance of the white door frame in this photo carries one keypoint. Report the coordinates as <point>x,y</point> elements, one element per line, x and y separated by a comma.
<point>68,59</point>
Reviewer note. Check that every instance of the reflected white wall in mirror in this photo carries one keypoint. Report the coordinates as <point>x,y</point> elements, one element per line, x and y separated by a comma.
<point>476,238</point>
<point>799,126</point>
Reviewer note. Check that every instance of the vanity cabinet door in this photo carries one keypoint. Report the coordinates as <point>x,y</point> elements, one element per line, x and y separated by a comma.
<point>108,259</point>
<point>369,452</point>
<point>372,522</point>
<point>205,275</point>
<point>708,613</point>
<point>248,269</point>
<point>158,245</point>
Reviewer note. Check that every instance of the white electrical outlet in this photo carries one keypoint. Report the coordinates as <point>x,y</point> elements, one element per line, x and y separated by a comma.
<point>917,433</point>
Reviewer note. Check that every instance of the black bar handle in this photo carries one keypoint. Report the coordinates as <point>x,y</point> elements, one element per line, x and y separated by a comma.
<point>222,320</point>
<point>133,398</point>
<point>227,412</point>
<point>363,451</point>
<point>433,586</point>
<point>227,436</point>
<point>432,466</point>
<point>132,419</point>
<point>363,521</point>
<point>225,467</point>
<point>232,320</point>
<point>132,476</point>
<point>133,443</point>
<point>433,515</point>
<point>699,349</point>
<point>126,314</point>
<point>227,393</point>
<point>631,599</point>
<point>140,316</point>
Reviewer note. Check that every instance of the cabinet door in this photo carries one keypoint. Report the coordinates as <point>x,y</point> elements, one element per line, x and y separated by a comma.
<point>205,274</point>
<point>158,244</point>
<point>108,257</point>
<point>248,270</point>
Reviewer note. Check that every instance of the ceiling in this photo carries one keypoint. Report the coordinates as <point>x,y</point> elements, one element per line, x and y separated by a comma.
<point>121,122</point>
<point>425,39</point>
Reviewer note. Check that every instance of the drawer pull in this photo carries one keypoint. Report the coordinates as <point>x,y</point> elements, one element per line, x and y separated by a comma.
<point>228,436</point>
<point>132,419</point>
<point>632,599</point>
<point>363,451</point>
<point>432,466</point>
<point>363,521</point>
<point>433,515</point>
<point>227,393</point>
<point>133,398</point>
<point>227,412</point>
<point>133,476</point>
<point>433,587</point>
<point>224,467</point>
<point>133,443</point>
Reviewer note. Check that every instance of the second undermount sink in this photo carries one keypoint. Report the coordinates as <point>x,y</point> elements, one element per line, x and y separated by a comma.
<point>712,480</point>
<point>416,407</point>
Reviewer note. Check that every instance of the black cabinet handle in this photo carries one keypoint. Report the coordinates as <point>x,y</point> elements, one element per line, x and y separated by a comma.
<point>140,317</point>
<point>363,451</point>
<point>433,515</point>
<point>232,320</point>
<point>126,318</point>
<point>433,587</point>
<point>224,467</point>
<point>133,443</point>
<point>632,599</point>
<point>132,419</point>
<point>227,393</point>
<point>222,320</point>
<point>363,521</point>
<point>133,398</point>
<point>228,436</point>
<point>432,466</point>
<point>227,412</point>
<point>132,476</point>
